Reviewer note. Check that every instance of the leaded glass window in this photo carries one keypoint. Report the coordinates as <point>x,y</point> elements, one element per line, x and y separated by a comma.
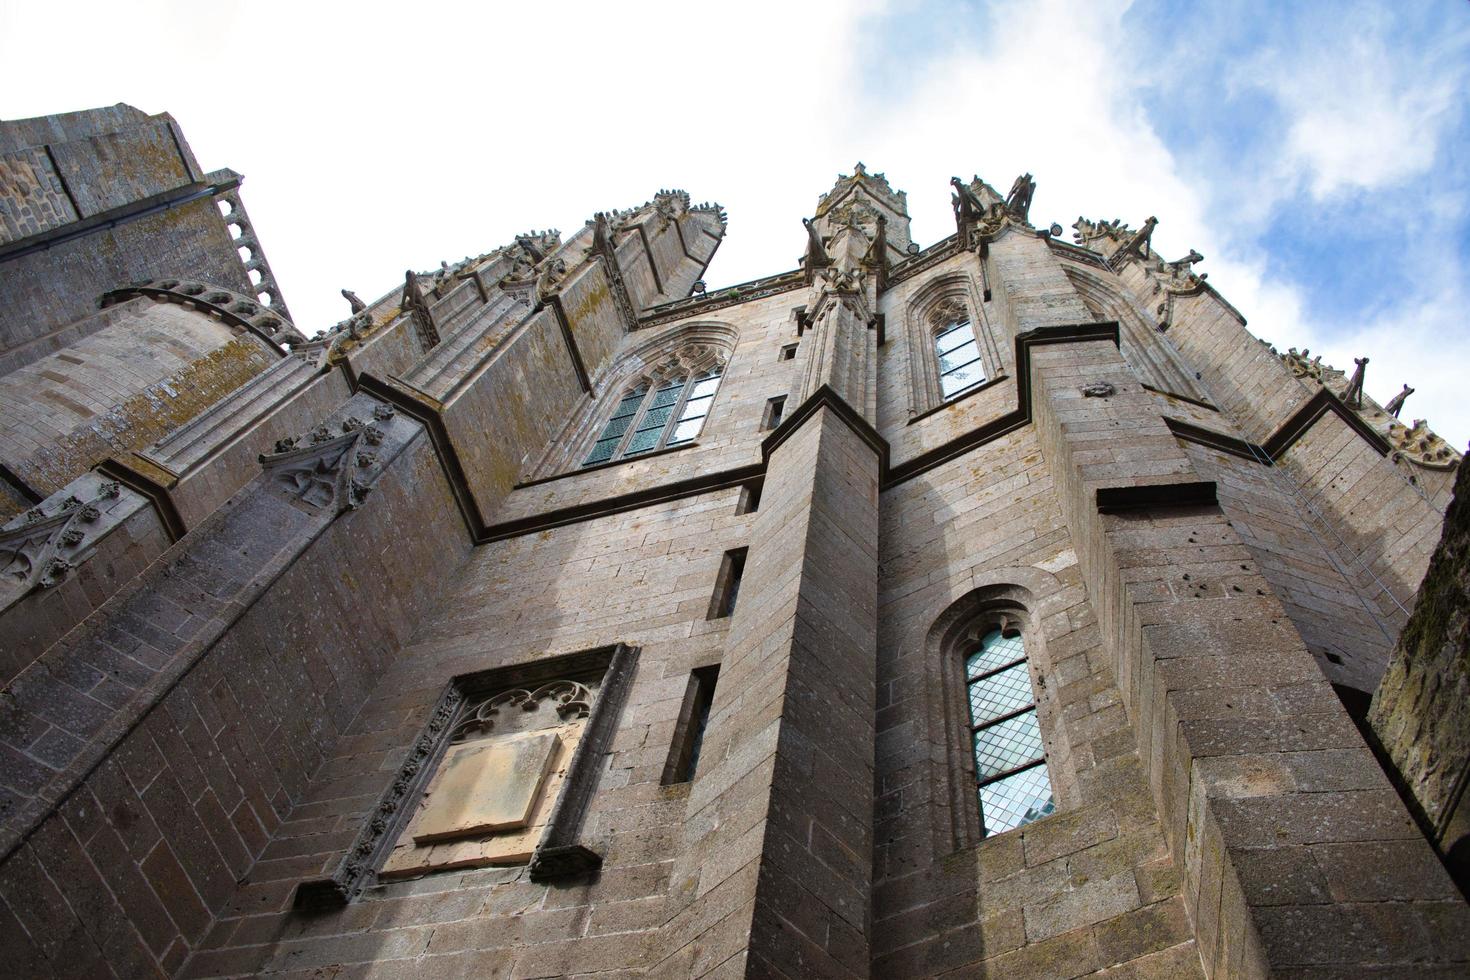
<point>1010,764</point>
<point>671,414</point>
<point>612,433</point>
<point>960,367</point>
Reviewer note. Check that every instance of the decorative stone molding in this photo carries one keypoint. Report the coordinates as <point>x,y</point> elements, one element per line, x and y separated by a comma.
<point>327,469</point>
<point>572,700</point>
<point>41,547</point>
<point>230,307</point>
<point>464,710</point>
<point>603,248</point>
<point>681,309</point>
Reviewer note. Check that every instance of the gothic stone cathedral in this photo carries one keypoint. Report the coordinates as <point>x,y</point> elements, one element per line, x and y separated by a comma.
<point>996,607</point>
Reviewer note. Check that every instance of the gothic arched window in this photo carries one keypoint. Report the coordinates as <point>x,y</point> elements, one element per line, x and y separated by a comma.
<point>960,364</point>
<point>668,412</point>
<point>1010,764</point>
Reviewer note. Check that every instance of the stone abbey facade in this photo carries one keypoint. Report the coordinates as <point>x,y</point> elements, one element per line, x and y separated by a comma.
<point>997,607</point>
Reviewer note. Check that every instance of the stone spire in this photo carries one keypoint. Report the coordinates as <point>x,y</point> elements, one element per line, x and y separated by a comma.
<point>860,200</point>
<point>860,228</point>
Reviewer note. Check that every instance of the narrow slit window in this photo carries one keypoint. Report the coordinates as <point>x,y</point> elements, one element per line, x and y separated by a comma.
<point>960,367</point>
<point>688,743</point>
<point>775,411</point>
<point>788,352</point>
<point>1010,765</point>
<point>750,499</point>
<point>727,585</point>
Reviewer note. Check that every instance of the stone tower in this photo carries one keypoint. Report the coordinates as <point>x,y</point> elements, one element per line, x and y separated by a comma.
<point>999,607</point>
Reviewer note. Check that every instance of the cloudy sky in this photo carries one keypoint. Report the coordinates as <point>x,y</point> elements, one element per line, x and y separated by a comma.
<point>1315,152</point>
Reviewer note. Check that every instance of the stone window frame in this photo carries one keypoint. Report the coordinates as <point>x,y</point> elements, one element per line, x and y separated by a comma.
<point>952,635</point>
<point>694,345</point>
<point>688,372</point>
<point>937,303</point>
<point>561,852</point>
<point>1007,625</point>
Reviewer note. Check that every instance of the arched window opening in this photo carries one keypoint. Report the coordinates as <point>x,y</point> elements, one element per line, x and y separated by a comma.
<point>1010,763</point>
<point>960,366</point>
<point>672,413</point>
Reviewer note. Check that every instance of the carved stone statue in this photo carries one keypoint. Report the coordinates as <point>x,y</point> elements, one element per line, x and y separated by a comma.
<point>1396,403</point>
<point>352,300</point>
<point>967,205</point>
<point>816,252</point>
<point>1138,243</point>
<point>1018,201</point>
<point>1353,393</point>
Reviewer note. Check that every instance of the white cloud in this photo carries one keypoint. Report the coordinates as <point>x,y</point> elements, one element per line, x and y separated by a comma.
<point>375,139</point>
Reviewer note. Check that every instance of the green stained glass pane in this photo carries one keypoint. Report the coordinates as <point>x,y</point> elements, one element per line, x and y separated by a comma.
<point>995,651</point>
<point>601,452</point>
<point>655,418</point>
<point>667,395</point>
<point>629,404</point>
<point>1006,745</point>
<point>643,440</point>
<point>1000,694</point>
<point>1018,799</point>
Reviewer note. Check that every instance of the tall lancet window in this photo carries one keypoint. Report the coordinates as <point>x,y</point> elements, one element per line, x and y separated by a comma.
<point>960,367</point>
<point>670,412</point>
<point>1010,765</point>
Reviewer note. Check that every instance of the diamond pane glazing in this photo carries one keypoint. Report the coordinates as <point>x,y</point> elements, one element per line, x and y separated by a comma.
<point>1008,803</point>
<point>995,651</point>
<point>616,427</point>
<point>601,452</point>
<point>655,418</point>
<point>643,441</point>
<point>1006,745</point>
<point>668,395</point>
<point>629,405</point>
<point>1000,694</point>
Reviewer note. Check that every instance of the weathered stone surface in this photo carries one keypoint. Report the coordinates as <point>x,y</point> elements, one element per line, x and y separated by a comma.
<point>201,734</point>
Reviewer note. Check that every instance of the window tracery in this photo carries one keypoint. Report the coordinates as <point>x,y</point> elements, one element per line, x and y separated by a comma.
<point>659,412</point>
<point>951,350</point>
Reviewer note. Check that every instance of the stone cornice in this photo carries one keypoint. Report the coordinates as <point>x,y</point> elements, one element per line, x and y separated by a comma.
<point>682,309</point>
